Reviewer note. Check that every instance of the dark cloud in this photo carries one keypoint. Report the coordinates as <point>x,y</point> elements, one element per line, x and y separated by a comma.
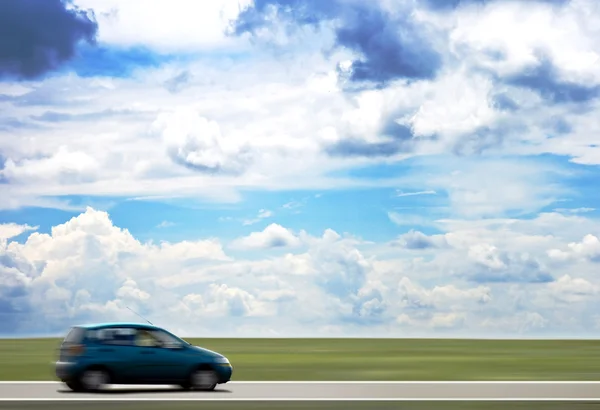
<point>277,242</point>
<point>368,308</point>
<point>488,137</point>
<point>15,271</point>
<point>477,142</point>
<point>7,98</point>
<point>302,12</point>
<point>446,5</point>
<point>544,79</point>
<point>46,95</point>
<point>13,124</point>
<point>514,269</point>
<point>353,147</point>
<point>38,36</point>
<point>503,102</point>
<point>56,117</point>
<point>416,240</point>
<point>451,4</point>
<point>400,139</point>
<point>390,46</point>
<point>561,127</point>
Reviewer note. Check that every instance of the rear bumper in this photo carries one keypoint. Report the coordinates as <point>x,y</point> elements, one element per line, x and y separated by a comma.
<point>65,371</point>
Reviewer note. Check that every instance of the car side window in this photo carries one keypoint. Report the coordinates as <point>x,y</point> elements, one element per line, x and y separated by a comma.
<point>113,336</point>
<point>165,339</point>
<point>155,338</point>
<point>144,338</point>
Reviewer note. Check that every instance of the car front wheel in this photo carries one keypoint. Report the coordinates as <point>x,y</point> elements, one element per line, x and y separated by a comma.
<point>203,379</point>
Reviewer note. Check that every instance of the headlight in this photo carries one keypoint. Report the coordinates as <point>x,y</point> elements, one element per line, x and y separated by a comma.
<point>222,360</point>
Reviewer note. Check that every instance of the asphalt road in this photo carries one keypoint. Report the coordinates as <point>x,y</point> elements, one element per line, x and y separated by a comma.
<point>39,391</point>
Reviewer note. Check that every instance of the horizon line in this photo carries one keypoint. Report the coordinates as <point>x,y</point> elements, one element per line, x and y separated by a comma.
<point>562,338</point>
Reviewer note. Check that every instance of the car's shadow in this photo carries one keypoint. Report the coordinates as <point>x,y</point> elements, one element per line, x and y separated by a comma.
<point>142,391</point>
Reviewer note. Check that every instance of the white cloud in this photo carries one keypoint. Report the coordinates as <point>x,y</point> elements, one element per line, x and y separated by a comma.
<point>564,33</point>
<point>87,269</point>
<point>441,297</point>
<point>262,214</point>
<point>194,141</point>
<point>521,323</point>
<point>167,26</point>
<point>10,230</point>
<point>493,187</point>
<point>587,248</point>
<point>63,166</point>
<point>498,250</point>
<point>230,128</point>
<point>273,236</point>
<point>486,187</point>
<point>178,144</point>
<point>130,291</point>
<point>457,104</point>
<point>403,194</point>
<point>223,301</point>
<point>447,320</point>
<point>571,290</point>
<point>403,219</point>
<point>253,127</point>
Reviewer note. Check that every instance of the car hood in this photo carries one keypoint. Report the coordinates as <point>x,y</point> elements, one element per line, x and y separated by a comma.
<point>206,352</point>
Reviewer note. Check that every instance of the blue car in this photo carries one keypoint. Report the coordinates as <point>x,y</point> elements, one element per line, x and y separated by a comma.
<point>95,356</point>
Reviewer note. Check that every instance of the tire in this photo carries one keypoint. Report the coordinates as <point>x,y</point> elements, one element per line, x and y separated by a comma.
<point>94,379</point>
<point>203,379</point>
<point>75,386</point>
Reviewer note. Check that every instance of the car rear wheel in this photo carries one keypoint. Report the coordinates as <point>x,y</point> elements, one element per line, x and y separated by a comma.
<point>94,379</point>
<point>74,385</point>
<point>203,379</point>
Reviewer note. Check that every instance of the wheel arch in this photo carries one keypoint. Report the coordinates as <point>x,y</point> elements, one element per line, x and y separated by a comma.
<point>191,368</point>
<point>99,366</point>
<point>203,366</point>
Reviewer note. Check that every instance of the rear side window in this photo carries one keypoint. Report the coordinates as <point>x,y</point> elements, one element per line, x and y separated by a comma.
<point>113,336</point>
<point>75,335</point>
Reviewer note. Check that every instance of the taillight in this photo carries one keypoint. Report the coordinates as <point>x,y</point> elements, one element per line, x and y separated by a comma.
<point>76,350</point>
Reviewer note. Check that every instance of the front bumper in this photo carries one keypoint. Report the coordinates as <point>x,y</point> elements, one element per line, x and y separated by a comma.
<point>224,371</point>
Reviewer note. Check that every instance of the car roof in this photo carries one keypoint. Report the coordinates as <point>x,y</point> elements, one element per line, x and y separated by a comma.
<point>95,326</point>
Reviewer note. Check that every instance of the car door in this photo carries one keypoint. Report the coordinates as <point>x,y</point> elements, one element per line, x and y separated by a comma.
<point>173,359</point>
<point>145,357</point>
<point>159,361</point>
<point>113,348</point>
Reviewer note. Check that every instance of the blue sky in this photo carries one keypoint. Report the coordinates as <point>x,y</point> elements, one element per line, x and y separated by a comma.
<point>301,167</point>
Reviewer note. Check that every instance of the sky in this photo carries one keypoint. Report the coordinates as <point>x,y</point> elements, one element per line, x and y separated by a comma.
<point>287,168</point>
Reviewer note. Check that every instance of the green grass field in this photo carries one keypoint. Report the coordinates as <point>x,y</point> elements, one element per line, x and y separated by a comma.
<point>359,359</point>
